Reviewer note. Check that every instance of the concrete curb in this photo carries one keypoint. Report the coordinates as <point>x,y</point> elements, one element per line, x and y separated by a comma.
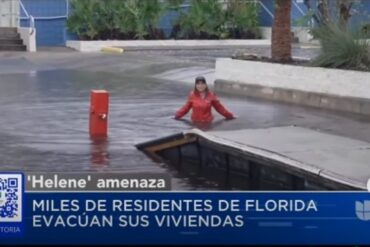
<point>319,100</point>
<point>96,46</point>
<point>333,89</point>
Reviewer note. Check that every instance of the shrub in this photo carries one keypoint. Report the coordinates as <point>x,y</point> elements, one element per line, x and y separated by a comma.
<point>138,19</point>
<point>112,19</point>
<point>242,19</point>
<point>83,20</point>
<point>204,20</point>
<point>342,49</point>
<point>210,19</point>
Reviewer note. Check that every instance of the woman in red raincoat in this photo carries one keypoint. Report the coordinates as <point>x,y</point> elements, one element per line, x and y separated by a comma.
<point>201,101</point>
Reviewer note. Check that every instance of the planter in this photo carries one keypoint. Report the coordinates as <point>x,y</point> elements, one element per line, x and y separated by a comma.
<point>312,86</point>
<point>96,46</point>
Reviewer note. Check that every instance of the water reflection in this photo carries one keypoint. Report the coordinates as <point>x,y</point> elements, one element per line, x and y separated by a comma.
<point>99,151</point>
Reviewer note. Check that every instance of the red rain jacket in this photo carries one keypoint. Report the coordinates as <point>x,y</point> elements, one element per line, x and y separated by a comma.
<point>202,108</point>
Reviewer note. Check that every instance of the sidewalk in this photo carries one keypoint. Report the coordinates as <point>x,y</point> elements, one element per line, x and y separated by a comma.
<point>281,158</point>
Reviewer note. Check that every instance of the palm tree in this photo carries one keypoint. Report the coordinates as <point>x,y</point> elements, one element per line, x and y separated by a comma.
<point>281,48</point>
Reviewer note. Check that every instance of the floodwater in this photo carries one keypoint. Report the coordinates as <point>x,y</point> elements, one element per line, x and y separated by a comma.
<point>44,123</point>
<point>44,120</point>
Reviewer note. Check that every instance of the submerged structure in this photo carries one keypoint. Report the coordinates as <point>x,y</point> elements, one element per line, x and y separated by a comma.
<point>279,158</point>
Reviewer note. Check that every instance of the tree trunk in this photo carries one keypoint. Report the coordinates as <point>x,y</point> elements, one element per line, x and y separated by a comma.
<point>344,8</point>
<point>323,7</point>
<point>281,49</point>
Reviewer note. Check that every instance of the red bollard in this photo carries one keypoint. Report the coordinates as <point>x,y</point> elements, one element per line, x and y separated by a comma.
<point>99,105</point>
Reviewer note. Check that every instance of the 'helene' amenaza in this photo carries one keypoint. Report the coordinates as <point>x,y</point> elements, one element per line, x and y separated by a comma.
<point>39,182</point>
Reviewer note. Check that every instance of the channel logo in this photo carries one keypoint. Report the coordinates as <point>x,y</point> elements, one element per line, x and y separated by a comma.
<point>363,210</point>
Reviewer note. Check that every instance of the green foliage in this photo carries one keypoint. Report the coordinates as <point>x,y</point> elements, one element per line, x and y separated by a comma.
<point>242,19</point>
<point>82,21</point>
<point>142,16</point>
<point>173,4</point>
<point>342,49</point>
<point>138,19</point>
<point>205,19</point>
<point>107,19</point>
<point>209,19</point>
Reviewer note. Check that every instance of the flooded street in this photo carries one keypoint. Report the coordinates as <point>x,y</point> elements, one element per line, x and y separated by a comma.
<point>44,107</point>
<point>44,127</point>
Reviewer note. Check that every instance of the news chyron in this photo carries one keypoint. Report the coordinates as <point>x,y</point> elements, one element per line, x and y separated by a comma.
<point>143,208</point>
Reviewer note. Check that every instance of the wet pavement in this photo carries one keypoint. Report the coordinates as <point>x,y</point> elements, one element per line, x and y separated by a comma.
<point>44,101</point>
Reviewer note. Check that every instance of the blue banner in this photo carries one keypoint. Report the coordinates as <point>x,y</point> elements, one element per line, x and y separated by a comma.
<point>195,218</point>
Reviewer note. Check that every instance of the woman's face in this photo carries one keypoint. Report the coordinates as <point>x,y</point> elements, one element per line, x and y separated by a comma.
<point>201,86</point>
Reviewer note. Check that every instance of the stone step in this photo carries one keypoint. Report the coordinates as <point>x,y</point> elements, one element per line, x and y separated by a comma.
<point>11,41</point>
<point>8,30</point>
<point>9,36</point>
<point>12,47</point>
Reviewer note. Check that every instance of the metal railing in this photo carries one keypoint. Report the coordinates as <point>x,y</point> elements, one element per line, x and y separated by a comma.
<point>33,19</point>
<point>47,17</point>
<point>28,17</point>
<point>266,9</point>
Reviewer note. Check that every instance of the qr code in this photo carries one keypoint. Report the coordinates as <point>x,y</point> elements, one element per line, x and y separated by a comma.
<point>10,197</point>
